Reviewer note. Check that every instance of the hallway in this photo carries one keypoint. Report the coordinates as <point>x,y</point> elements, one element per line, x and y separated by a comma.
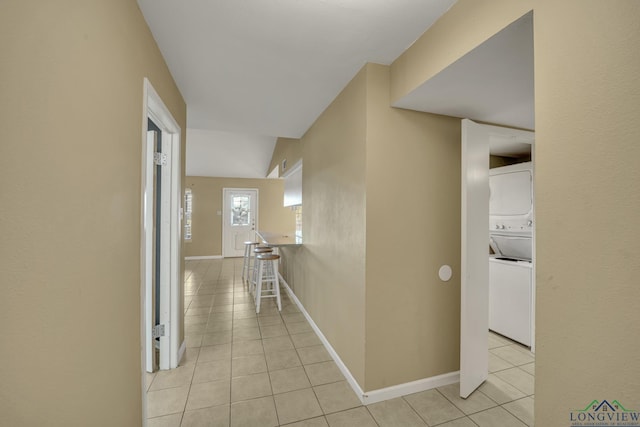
<point>271,370</point>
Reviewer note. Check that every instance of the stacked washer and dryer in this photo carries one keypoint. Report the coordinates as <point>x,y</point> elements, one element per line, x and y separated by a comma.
<point>510,239</point>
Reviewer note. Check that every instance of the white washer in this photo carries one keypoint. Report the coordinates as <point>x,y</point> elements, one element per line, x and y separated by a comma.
<point>510,299</point>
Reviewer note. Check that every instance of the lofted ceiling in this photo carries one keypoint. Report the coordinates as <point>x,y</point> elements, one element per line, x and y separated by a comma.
<point>254,70</point>
<point>228,154</point>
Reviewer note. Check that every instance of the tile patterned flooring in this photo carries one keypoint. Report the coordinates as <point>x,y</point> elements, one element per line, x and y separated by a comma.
<point>243,369</point>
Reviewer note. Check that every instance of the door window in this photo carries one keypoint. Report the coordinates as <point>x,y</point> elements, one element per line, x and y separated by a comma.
<point>240,210</point>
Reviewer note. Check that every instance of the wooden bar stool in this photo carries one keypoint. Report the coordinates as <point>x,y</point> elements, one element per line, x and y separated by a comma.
<point>268,283</point>
<point>248,260</point>
<point>257,251</point>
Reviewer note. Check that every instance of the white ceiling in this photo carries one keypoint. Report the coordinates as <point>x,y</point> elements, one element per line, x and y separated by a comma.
<point>228,154</point>
<point>268,68</point>
<point>493,83</point>
<point>254,70</point>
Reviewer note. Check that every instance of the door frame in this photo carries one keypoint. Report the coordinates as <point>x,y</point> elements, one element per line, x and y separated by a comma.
<point>224,210</point>
<point>170,312</point>
<point>477,168</point>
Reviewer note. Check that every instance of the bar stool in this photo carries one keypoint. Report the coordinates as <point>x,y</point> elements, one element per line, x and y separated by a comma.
<point>257,251</point>
<point>247,263</point>
<point>268,283</point>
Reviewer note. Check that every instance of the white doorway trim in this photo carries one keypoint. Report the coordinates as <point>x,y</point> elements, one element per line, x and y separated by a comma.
<point>474,286</point>
<point>170,312</point>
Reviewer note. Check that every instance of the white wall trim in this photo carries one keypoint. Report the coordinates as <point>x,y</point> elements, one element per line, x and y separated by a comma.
<point>192,258</point>
<point>154,108</point>
<point>182,350</point>
<point>404,389</point>
<point>379,395</point>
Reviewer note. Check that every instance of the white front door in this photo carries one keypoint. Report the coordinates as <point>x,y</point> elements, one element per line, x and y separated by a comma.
<point>239,219</point>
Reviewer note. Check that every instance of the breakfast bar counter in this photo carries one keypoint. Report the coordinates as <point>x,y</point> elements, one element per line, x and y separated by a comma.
<point>279,239</point>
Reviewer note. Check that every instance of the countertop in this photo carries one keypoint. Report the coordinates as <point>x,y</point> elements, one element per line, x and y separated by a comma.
<point>279,239</point>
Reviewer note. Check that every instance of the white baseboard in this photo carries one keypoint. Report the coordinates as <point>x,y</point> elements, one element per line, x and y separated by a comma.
<point>410,388</point>
<point>343,368</point>
<point>181,351</point>
<point>383,393</point>
<point>192,258</point>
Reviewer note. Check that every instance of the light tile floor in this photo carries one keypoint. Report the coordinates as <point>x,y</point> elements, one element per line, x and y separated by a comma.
<point>243,369</point>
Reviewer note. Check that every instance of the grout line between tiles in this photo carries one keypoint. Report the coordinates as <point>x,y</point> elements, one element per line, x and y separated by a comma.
<point>507,409</point>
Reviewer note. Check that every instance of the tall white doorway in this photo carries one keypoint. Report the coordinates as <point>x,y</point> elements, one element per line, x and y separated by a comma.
<point>160,237</point>
<point>474,287</point>
<point>239,219</point>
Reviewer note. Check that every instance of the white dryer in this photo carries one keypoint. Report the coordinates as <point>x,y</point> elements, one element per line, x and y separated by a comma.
<point>510,270</point>
<point>511,199</point>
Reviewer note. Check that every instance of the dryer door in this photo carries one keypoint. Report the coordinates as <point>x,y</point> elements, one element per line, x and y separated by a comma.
<point>516,247</point>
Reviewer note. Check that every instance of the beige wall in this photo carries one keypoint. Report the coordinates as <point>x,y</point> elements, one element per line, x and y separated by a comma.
<point>207,201</point>
<point>413,227</point>
<point>71,79</point>
<point>367,272</point>
<point>288,149</point>
<point>328,276</point>
<point>465,26</point>
<point>587,205</point>
<point>587,104</point>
